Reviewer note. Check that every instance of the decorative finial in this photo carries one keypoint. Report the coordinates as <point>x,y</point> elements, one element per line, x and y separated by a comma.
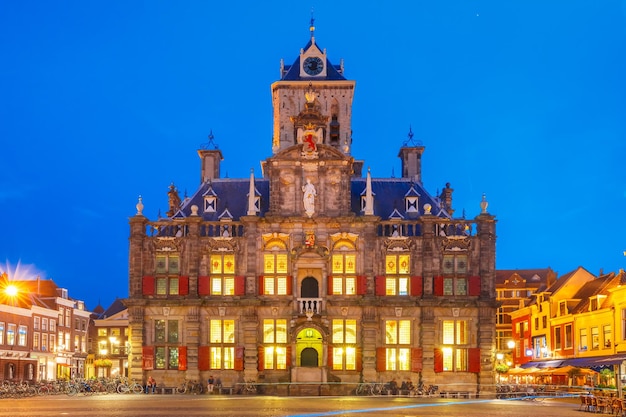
<point>139,206</point>
<point>484,204</point>
<point>410,141</point>
<point>210,144</point>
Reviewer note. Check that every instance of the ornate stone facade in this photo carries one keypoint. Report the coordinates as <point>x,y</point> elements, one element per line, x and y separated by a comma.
<point>364,280</point>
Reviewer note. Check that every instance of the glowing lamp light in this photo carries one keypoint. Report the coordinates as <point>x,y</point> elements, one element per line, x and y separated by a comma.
<point>11,290</point>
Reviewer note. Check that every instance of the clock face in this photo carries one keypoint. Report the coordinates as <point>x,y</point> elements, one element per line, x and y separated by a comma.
<point>313,65</point>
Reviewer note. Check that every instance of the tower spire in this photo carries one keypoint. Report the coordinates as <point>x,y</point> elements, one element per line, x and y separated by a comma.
<point>312,25</point>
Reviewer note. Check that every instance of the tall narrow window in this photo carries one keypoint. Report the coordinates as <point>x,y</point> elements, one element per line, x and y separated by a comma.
<point>223,274</point>
<point>343,273</point>
<point>606,336</point>
<point>167,341</point>
<point>569,341</point>
<point>344,344</point>
<point>595,338</point>
<point>222,344</point>
<point>275,274</point>
<point>275,340</point>
<point>583,339</point>
<point>397,345</point>
<point>167,274</point>
<point>454,274</point>
<point>454,345</point>
<point>397,269</point>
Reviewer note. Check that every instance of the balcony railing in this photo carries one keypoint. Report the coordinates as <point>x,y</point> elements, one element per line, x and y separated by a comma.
<point>206,229</point>
<point>310,305</point>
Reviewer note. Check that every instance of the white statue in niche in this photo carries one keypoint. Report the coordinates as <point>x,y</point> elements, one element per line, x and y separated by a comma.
<point>309,197</point>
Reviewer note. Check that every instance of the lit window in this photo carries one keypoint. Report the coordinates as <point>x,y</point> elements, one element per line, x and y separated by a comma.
<point>223,274</point>
<point>344,341</point>
<point>222,344</point>
<point>343,274</point>
<point>397,268</point>
<point>454,338</point>
<point>397,339</point>
<point>275,274</point>
<point>11,334</point>
<point>275,339</point>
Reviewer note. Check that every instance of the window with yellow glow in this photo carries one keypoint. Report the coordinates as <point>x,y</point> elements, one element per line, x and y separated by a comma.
<point>397,336</point>
<point>454,334</point>
<point>275,340</point>
<point>397,269</point>
<point>343,273</point>
<point>344,344</point>
<point>275,274</point>
<point>222,274</point>
<point>222,344</point>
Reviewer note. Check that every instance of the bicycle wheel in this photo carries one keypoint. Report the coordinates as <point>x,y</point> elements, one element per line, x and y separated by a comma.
<point>122,389</point>
<point>137,388</point>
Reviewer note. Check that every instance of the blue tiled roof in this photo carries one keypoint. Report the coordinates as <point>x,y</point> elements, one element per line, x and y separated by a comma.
<point>389,195</point>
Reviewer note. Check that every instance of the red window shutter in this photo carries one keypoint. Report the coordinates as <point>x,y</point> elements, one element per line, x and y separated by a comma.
<point>240,285</point>
<point>204,285</point>
<point>288,356</point>
<point>148,285</point>
<point>438,285</point>
<point>147,353</point>
<point>182,358</point>
<point>261,284</point>
<point>417,360</point>
<point>330,357</point>
<point>361,285</point>
<point>474,285</point>
<point>416,286</point>
<point>183,285</point>
<point>330,285</point>
<point>381,285</point>
<point>359,359</point>
<point>289,285</point>
<point>381,359</point>
<point>438,360</point>
<point>261,358</point>
<point>239,350</point>
<point>473,358</point>
<point>204,364</point>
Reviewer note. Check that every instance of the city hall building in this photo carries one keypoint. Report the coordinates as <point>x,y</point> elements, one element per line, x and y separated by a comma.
<point>316,273</point>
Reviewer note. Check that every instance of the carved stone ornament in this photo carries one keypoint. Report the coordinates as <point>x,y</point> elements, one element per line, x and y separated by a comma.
<point>167,244</point>
<point>456,243</point>
<point>398,244</point>
<point>221,245</point>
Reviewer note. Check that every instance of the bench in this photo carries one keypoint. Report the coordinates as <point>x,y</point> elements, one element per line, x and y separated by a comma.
<point>224,390</point>
<point>166,390</point>
<point>457,394</point>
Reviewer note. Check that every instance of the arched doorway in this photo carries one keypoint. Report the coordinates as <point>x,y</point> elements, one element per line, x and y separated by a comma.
<point>309,288</point>
<point>309,357</point>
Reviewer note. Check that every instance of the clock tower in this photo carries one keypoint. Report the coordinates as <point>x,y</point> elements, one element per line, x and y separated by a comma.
<point>312,102</point>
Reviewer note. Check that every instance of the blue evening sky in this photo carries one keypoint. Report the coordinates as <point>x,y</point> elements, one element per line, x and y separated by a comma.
<point>101,101</point>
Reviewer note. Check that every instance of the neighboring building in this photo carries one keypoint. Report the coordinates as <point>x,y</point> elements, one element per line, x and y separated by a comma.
<point>43,332</point>
<point>313,273</point>
<point>514,289</point>
<point>109,342</point>
<point>580,321</point>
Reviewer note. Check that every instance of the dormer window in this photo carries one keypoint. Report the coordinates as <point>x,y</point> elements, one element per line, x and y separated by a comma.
<point>563,308</point>
<point>412,204</point>
<point>210,204</point>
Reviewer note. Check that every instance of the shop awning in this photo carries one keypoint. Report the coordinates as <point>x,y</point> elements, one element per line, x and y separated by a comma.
<point>596,361</point>
<point>543,364</point>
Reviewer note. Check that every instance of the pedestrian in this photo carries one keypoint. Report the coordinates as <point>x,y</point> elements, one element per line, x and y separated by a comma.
<point>151,385</point>
<point>210,384</point>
